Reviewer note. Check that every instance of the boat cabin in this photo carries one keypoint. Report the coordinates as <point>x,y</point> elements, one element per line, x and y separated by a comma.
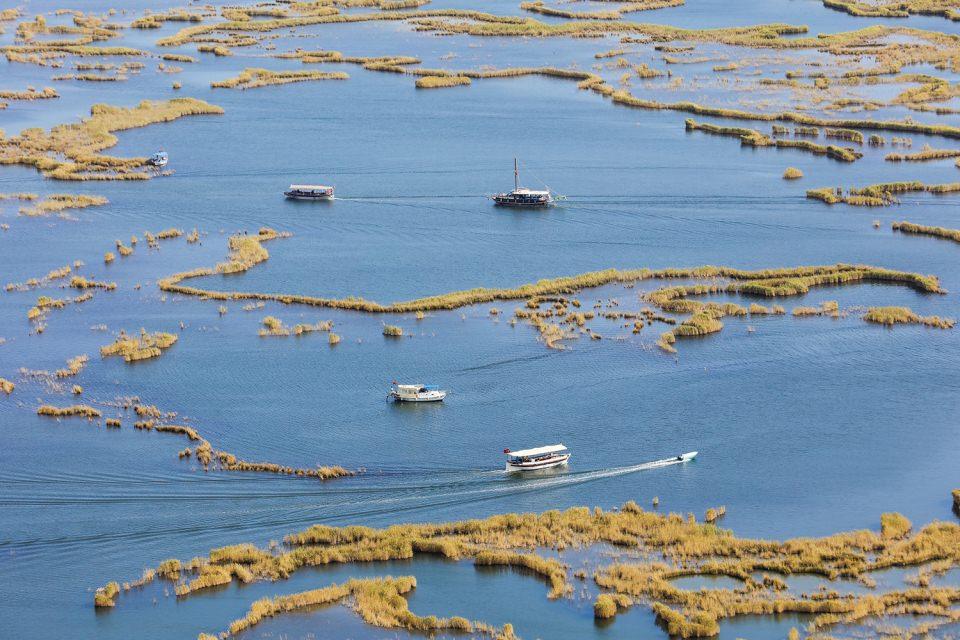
<point>417,393</point>
<point>523,197</point>
<point>309,192</point>
<point>537,458</point>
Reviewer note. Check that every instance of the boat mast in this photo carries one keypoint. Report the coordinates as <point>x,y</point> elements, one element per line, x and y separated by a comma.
<point>516,175</point>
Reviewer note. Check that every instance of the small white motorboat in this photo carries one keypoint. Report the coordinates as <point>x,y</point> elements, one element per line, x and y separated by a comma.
<point>416,393</point>
<point>309,192</point>
<point>552,455</point>
<point>159,159</point>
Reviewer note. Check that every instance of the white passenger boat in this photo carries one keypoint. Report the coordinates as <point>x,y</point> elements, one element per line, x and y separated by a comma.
<point>416,393</point>
<point>159,159</point>
<point>521,196</point>
<point>309,192</point>
<point>552,455</point>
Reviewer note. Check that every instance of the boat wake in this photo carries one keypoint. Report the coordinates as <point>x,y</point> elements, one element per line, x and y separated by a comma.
<point>266,512</point>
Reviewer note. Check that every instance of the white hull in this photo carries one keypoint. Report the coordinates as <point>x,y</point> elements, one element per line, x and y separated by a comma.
<point>534,465</point>
<point>680,459</point>
<point>430,396</point>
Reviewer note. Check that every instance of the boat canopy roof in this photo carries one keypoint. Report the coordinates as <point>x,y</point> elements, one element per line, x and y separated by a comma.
<point>538,451</point>
<point>416,387</point>
<point>530,192</point>
<point>309,187</point>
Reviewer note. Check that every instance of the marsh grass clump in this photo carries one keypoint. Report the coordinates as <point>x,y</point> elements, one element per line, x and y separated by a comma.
<point>6,386</point>
<point>918,229</point>
<point>608,604</point>
<point>333,338</point>
<point>74,366</point>
<point>59,202</point>
<point>844,134</point>
<point>754,138</point>
<point>878,195</point>
<point>894,525</point>
<point>30,94</point>
<point>437,82</point>
<point>713,514</point>
<point>792,173</point>
<point>666,341</point>
<point>891,316</point>
<point>81,410</point>
<point>144,347</point>
<point>926,154</point>
<point>106,596</point>
<point>394,331</point>
<point>896,8</point>
<point>254,78</point>
<point>274,327</point>
<point>80,282</point>
<point>218,50</point>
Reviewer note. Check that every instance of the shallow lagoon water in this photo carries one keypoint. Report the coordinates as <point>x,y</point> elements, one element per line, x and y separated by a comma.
<point>805,426</point>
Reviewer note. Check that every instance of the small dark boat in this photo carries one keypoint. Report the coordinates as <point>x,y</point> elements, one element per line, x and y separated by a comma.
<point>522,197</point>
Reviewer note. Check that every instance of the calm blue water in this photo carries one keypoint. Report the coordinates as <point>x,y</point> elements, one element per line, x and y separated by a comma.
<point>805,426</point>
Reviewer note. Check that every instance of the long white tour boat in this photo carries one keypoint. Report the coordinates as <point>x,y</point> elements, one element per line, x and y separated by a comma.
<point>552,455</point>
<point>416,393</point>
<point>309,192</point>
